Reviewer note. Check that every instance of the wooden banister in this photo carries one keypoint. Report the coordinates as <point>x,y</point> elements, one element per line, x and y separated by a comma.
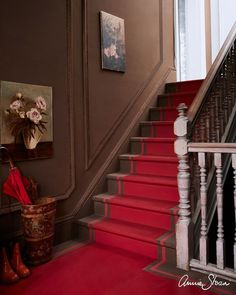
<point>195,106</point>
<point>205,159</point>
<point>212,147</point>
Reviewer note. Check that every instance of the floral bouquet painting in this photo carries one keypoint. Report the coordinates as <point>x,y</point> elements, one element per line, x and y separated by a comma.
<point>25,117</point>
<point>26,114</point>
<point>112,42</point>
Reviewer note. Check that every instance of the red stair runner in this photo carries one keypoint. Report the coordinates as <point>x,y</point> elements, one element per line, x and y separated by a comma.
<point>139,211</point>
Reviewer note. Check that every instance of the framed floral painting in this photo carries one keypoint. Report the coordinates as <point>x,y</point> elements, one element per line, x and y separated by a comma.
<point>112,42</point>
<point>26,120</point>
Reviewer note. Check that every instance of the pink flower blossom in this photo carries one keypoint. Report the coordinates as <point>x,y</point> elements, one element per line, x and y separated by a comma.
<point>107,52</point>
<point>111,51</point>
<point>16,105</point>
<point>34,115</point>
<point>41,103</point>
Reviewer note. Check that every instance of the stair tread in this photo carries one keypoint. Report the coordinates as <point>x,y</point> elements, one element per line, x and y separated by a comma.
<point>161,206</point>
<point>124,228</point>
<point>165,108</point>
<point>164,180</point>
<point>185,82</point>
<point>150,123</point>
<point>153,139</point>
<point>150,158</point>
<point>183,93</point>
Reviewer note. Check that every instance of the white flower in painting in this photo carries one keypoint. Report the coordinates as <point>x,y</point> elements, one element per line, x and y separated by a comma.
<point>107,52</point>
<point>16,105</point>
<point>19,95</point>
<point>34,115</point>
<point>41,103</point>
<point>22,115</point>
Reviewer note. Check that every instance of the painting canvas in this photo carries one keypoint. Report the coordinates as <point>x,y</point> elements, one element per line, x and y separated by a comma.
<point>26,108</point>
<point>112,42</point>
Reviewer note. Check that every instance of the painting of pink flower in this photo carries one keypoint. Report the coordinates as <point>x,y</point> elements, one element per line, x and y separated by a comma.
<point>41,103</point>
<point>112,42</point>
<point>34,115</point>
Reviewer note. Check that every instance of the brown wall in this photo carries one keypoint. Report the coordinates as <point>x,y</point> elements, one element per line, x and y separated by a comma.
<point>57,43</point>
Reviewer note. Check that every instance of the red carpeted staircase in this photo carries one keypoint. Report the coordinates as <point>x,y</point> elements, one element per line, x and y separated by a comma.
<point>139,211</point>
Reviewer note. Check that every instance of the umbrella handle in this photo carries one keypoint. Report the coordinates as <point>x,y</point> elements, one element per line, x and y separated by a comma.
<point>9,157</point>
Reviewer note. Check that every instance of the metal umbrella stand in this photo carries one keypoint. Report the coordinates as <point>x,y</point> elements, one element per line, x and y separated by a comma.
<point>38,225</point>
<point>37,219</point>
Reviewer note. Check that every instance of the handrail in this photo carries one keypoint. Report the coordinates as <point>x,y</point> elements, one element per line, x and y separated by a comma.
<point>193,110</point>
<point>212,147</point>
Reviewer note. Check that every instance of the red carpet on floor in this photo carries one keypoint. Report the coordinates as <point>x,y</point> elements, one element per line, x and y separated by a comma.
<point>97,270</point>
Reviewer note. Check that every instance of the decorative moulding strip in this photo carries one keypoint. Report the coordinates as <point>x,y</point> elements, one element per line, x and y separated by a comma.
<point>69,91</point>
<point>125,137</point>
<point>69,10</point>
<point>89,159</point>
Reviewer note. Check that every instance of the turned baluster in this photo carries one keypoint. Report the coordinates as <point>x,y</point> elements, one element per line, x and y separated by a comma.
<point>217,119</point>
<point>196,136</point>
<point>220,245</point>
<point>225,112</point>
<point>221,99</point>
<point>203,198</point>
<point>234,169</point>
<point>184,227</point>
<point>208,122</point>
<point>202,127</point>
<point>195,183</point>
<point>213,135</point>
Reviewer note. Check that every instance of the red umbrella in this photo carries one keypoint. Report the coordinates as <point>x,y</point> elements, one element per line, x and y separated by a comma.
<point>15,185</point>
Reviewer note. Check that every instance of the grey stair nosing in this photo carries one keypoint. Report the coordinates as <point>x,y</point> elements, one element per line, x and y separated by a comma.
<point>153,139</point>
<point>166,212</point>
<point>155,241</point>
<point>164,108</point>
<point>174,94</point>
<point>151,123</point>
<point>173,159</point>
<point>158,183</point>
<point>195,81</point>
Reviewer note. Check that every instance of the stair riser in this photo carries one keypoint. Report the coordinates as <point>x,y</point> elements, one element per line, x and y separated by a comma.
<point>134,167</point>
<point>159,192</point>
<point>158,251</point>
<point>152,148</point>
<point>125,243</point>
<point>134,215</point>
<point>174,101</point>
<point>183,87</point>
<point>157,131</point>
<point>161,115</point>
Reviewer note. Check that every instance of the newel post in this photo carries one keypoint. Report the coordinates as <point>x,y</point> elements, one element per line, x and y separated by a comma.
<point>184,228</point>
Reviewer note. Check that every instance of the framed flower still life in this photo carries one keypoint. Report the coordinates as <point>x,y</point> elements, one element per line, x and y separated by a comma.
<point>112,42</point>
<point>26,120</point>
